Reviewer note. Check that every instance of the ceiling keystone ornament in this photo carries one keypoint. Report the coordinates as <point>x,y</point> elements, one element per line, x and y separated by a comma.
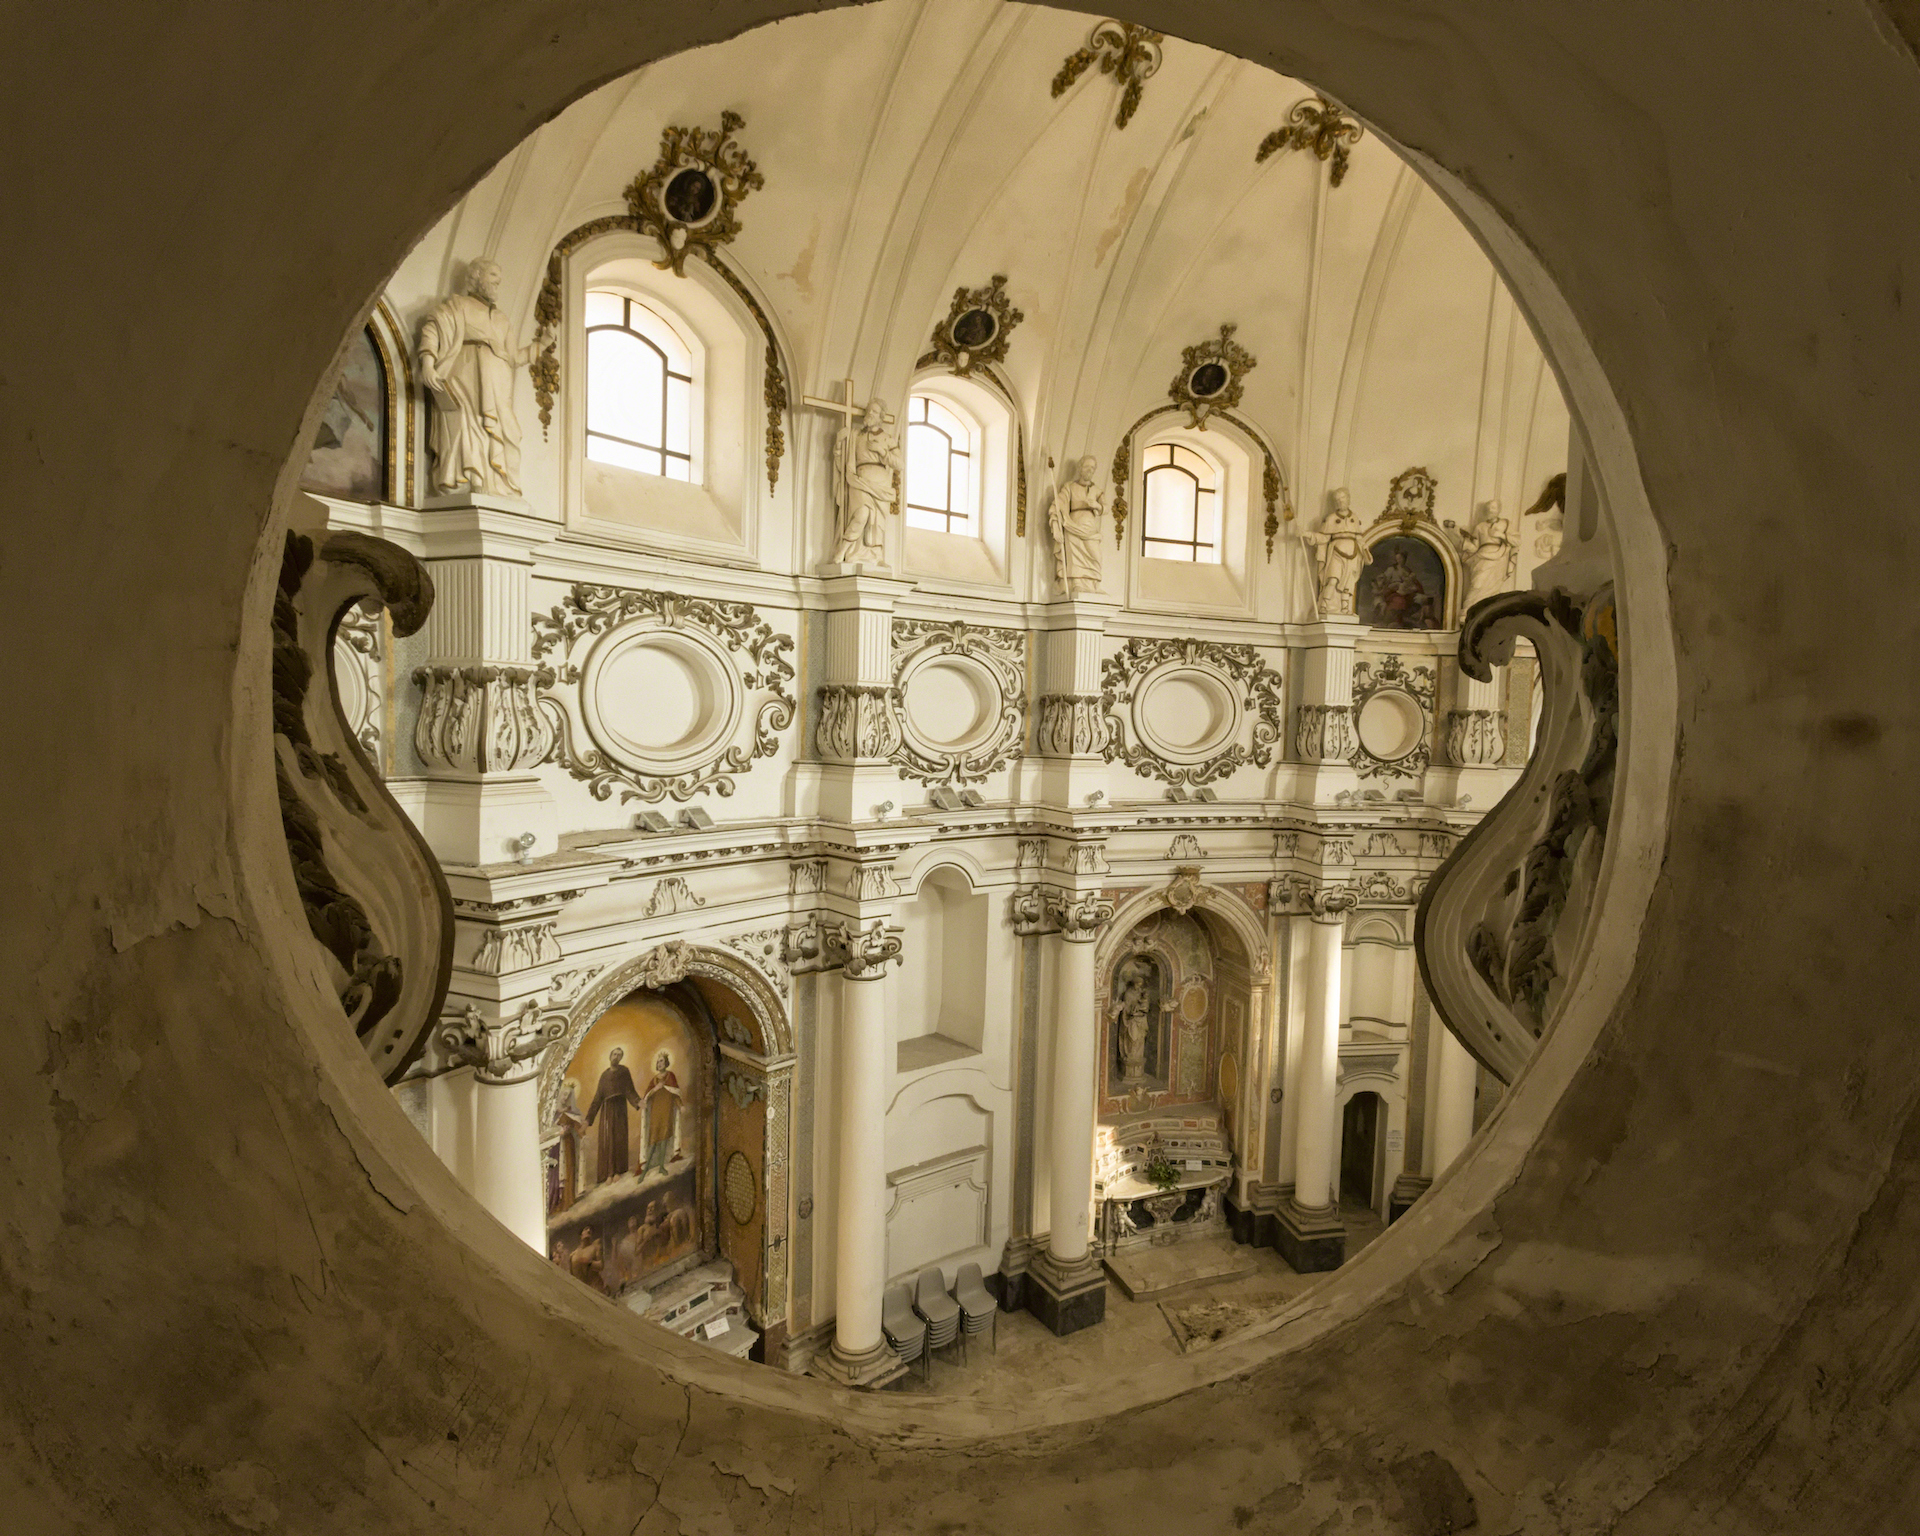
<point>1184,889</point>
<point>1212,377</point>
<point>1320,125</point>
<point>604,639</point>
<point>1130,53</point>
<point>977,327</point>
<point>1409,499</point>
<point>688,200</point>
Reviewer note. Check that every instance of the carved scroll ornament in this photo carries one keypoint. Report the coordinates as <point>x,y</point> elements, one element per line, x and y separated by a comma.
<point>372,890</point>
<point>1501,923</point>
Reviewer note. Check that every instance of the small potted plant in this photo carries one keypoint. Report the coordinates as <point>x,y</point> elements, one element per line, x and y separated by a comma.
<point>1161,1173</point>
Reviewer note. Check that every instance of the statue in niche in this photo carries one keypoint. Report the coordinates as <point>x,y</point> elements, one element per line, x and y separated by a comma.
<point>1074,519</point>
<point>866,481</point>
<point>467,361</point>
<point>1487,550</point>
<point>1134,1015</point>
<point>609,1107</point>
<point>1341,555</point>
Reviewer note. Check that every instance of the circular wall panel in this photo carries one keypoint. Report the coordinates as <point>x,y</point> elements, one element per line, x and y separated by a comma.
<point>1185,713</point>
<point>952,703</point>
<point>658,700</point>
<point>1391,724</point>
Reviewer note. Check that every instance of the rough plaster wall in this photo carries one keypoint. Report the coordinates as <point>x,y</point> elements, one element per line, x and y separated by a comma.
<point>240,1294</point>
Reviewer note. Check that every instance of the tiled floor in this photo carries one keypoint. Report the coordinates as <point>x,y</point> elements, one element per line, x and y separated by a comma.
<point>1134,1332</point>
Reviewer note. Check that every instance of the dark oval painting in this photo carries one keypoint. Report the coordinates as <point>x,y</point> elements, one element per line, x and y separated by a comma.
<point>1405,587</point>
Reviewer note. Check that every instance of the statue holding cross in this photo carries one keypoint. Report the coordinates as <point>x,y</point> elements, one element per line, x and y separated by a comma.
<point>866,478</point>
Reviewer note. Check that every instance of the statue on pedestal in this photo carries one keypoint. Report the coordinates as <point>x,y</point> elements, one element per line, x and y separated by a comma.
<point>1487,550</point>
<point>1074,520</point>
<point>467,361</point>
<point>866,481</point>
<point>1341,557</point>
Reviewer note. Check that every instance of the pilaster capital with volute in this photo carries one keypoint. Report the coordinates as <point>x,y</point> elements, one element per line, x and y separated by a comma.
<point>1080,917</point>
<point>1324,902</point>
<point>501,1052</point>
<point>868,950</point>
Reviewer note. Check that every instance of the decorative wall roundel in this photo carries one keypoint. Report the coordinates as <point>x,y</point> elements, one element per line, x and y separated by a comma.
<point>952,703</point>
<point>737,1183</point>
<point>660,700</point>
<point>1391,724</point>
<point>1186,713</point>
<point>658,695</point>
<point>1190,711</point>
<point>974,328</point>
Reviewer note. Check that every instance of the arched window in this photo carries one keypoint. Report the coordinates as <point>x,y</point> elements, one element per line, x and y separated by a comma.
<point>639,388</point>
<point>939,467</point>
<point>1181,519</point>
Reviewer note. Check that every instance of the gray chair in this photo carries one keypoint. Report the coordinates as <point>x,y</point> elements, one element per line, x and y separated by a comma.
<point>979,1312</point>
<point>931,1301</point>
<point>906,1331</point>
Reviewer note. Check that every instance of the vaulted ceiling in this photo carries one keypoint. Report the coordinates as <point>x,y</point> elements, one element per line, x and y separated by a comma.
<point>912,147</point>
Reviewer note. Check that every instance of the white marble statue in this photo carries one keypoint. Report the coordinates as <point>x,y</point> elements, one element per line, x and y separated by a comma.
<point>1487,551</point>
<point>467,360</point>
<point>1341,556</point>
<point>866,476</point>
<point>1132,1013</point>
<point>1074,520</point>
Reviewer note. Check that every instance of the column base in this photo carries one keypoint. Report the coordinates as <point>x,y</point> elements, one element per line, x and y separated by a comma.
<point>1250,1225</point>
<point>1408,1188</point>
<point>869,1370</point>
<point>1311,1241</point>
<point>1016,1260</point>
<point>1067,1297</point>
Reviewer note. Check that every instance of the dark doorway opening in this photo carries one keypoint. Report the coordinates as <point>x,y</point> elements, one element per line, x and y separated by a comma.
<point>1359,1143</point>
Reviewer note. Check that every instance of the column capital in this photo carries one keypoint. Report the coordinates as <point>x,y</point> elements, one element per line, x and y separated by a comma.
<point>1079,916</point>
<point>501,1052</point>
<point>830,944</point>
<point>1323,901</point>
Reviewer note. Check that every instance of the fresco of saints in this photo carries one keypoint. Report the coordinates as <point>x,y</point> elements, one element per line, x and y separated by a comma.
<point>662,1097</point>
<point>609,1108</point>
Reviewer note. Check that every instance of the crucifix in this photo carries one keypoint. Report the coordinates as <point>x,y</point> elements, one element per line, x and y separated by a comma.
<point>847,455</point>
<point>846,410</point>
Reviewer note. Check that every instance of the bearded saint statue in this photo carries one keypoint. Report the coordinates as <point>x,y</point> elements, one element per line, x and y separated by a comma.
<point>467,361</point>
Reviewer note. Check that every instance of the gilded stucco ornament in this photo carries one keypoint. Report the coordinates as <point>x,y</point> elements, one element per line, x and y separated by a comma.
<point>1410,500</point>
<point>1212,377</point>
<point>1320,126</point>
<point>688,200</point>
<point>1130,53</point>
<point>977,328</point>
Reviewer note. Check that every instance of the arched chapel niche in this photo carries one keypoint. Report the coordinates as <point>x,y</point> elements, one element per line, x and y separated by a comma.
<point>675,1154</point>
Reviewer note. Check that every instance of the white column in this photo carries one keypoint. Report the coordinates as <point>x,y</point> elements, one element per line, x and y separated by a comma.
<point>1454,1084</point>
<point>860,1263</point>
<point>1313,1188</point>
<point>860,1356</point>
<point>506,1157</point>
<point>1074,1049</point>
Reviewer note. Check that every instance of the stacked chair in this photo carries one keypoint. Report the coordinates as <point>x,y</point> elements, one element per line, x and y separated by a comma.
<point>942,1312</point>
<point>979,1312</point>
<point>905,1330</point>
